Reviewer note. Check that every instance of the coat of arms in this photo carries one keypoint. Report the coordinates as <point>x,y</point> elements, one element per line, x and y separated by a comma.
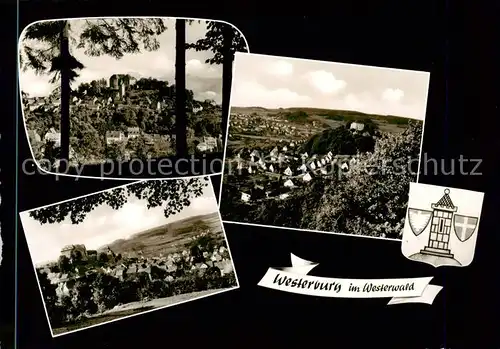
<point>440,232</point>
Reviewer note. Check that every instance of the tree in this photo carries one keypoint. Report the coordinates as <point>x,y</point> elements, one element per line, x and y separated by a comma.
<point>223,40</point>
<point>180,88</point>
<point>371,199</point>
<point>113,37</point>
<point>64,264</point>
<point>103,258</point>
<point>172,195</point>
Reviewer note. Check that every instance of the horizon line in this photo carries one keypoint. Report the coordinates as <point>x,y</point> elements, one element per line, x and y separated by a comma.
<point>131,235</point>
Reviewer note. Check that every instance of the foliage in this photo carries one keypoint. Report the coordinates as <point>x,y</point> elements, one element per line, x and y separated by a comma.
<point>370,199</point>
<point>173,195</point>
<point>214,42</point>
<point>298,116</point>
<point>340,141</point>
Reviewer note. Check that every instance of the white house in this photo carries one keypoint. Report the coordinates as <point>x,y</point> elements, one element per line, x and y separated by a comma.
<point>302,168</point>
<point>312,165</point>
<point>289,184</point>
<point>324,171</point>
<point>344,166</point>
<point>271,168</point>
<point>114,136</point>
<point>292,145</point>
<point>274,152</point>
<point>357,126</point>
<point>53,136</point>
<point>245,197</point>
<point>239,166</point>
<point>202,147</point>
<point>288,171</point>
<point>255,153</point>
<point>307,177</point>
<point>318,164</point>
<point>284,196</point>
<point>323,161</point>
<point>285,148</point>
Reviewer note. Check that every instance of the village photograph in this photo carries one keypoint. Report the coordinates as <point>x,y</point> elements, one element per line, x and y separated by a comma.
<point>128,250</point>
<point>115,89</point>
<point>322,146</point>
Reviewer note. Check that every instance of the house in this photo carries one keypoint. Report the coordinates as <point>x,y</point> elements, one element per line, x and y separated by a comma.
<point>302,168</point>
<point>133,132</point>
<point>255,153</point>
<point>323,161</point>
<point>274,152</point>
<point>34,136</point>
<point>53,136</point>
<point>312,165</point>
<point>285,148</point>
<point>71,249</point>
<point>344,166</point>
<point>271,168</point>
<point>304,156</point>
<point>357,126</point>
<point>318,164</point>
<point>202,147</point>
<point>307,177</point>
<point>114,137</point>
<point>323,171</point>
<point>211,142</point>
<point>289,184</point>
<point>245,197</point>
<point>284,196</point>
<point>288,171</point>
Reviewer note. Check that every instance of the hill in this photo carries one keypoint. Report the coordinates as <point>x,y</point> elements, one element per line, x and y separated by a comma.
<point>329,114</point>
<point>166,238</point>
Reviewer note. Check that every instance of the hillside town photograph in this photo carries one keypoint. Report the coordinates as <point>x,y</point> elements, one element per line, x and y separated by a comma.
<point>128,250</point>
<point>322,146</point>
<point>101,89</point>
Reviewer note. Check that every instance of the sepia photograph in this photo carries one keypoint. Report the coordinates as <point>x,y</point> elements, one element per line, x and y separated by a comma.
<point>107,90</point>
<point>322,146</point>
<point>128,250</point>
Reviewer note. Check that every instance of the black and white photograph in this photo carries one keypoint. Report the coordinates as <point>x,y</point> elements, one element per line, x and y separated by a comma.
<point>110,90</point>
<point>322,146</point>
<point>128,250</point>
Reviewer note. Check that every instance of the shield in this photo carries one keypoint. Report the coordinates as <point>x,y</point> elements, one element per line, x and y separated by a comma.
<point>419,220</point>
<point>464,226</point>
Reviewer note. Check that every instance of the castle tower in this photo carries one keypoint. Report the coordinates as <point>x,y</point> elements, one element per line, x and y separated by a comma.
<point>442,218</point>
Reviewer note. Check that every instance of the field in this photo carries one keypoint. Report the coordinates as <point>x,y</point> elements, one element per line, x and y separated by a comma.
<point>166,238</point>
<point>130,309</point>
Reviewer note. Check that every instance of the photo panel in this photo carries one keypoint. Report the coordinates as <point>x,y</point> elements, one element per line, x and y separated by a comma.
<point>128,250</point>
<point>127,97</point>
<point>322,146</point>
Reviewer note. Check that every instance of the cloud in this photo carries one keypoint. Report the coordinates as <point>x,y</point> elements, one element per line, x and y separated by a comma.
<point>281,68</point>
<point>392,95</point>
<point>353,102</point>
<point>247,94</point>
<point>202,70</point>
<point>325,82</point>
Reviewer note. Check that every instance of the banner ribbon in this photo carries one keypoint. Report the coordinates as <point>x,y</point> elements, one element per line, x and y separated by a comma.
<point>295,279</point>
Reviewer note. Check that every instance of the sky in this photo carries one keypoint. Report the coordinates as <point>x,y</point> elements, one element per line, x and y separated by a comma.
<point>104,225</point>
<point>283,82</point>
<point>205,80</point>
